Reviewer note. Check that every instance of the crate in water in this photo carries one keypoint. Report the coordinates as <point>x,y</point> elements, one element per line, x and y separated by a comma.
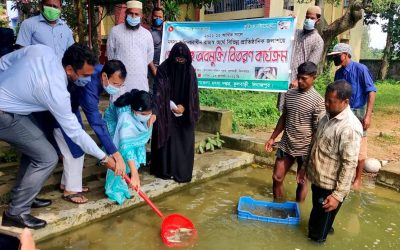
<point>284,213</point>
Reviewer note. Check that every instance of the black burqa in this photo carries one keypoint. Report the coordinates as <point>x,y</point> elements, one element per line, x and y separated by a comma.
<point>172,149</point>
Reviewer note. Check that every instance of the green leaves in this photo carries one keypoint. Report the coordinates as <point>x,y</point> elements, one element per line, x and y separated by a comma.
<point>210,144</point>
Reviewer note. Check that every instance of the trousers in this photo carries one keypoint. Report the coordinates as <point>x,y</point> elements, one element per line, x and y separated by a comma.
<point>38,159</point>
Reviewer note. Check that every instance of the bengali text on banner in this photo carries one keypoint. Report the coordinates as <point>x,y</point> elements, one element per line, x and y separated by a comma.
<point>252,54</point>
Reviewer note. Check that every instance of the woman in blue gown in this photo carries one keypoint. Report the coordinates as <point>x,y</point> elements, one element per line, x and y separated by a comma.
<point>127,121</point>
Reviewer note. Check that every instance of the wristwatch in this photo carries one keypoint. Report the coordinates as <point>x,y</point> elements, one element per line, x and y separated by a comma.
<point>104,161</point>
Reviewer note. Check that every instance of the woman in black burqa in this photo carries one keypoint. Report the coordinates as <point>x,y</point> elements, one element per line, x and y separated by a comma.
<point>172,149</point>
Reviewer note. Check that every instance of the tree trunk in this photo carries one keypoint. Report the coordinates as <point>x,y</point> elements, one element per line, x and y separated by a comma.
<point>353,14</point>
<point>93,19</point>
<point>387,51</point>
<point>79,16</point>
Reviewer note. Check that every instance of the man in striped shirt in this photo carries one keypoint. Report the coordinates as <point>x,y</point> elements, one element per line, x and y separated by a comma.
<point>303,106</point>
<point>332,160</point>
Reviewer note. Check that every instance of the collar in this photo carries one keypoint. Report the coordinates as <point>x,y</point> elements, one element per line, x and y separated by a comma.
<point>342,114</point>
<point>42,19</point>
<point>348,66</point>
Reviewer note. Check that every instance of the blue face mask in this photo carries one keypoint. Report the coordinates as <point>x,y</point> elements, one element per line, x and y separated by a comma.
<point>143,118</point>
<point>157,22</point>
<point>111,89</point>
<point>82,81</point>
<point>133,21</point>
<point>309,24</point>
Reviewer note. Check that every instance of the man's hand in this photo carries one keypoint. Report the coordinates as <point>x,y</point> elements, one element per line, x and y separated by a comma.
<point>119,164</point>
<point>269,144</point>
<point>301,176</point>
<point>330,203</point>
<point>366,122</point>
<point>294,84</point>
<point>152,119</point>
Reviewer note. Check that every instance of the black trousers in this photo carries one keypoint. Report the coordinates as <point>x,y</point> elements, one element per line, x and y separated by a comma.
<point>320,221</point>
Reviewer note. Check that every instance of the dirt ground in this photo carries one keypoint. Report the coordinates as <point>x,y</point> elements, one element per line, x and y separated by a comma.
<point>383,136</point>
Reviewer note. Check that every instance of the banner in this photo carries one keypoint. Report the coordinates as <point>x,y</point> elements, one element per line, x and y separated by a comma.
<point>252,54</point>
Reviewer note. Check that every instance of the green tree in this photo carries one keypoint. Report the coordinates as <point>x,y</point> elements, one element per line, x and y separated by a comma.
<point>389,14</point>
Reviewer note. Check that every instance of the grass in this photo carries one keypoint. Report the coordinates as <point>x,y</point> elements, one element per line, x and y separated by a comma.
<point>387,97</point>
<point>252,110</point>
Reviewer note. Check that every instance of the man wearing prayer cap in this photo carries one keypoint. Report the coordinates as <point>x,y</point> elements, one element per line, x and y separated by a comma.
<point>308,47</point>
<point>132,44</point>
<point>362,98</point>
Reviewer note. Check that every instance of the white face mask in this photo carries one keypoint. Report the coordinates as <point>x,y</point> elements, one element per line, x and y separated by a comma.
<point>143,118</point>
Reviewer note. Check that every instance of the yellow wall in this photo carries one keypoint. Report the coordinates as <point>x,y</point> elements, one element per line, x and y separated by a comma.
<point>276,8</point>
<point>190,11</point>
<point>234,15</point>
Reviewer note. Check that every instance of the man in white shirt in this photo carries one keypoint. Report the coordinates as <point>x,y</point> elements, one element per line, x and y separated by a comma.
<point>32,80</point>
<point>132,44</point>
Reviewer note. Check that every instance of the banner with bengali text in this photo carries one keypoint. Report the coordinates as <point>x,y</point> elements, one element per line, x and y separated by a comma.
<point>251,54</point>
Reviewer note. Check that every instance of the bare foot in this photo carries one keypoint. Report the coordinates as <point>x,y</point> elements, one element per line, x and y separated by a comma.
<point>356,185</point>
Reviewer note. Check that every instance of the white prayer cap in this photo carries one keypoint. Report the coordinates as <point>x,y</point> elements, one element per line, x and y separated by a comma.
<point>314,9</point>
<point>134,4</point>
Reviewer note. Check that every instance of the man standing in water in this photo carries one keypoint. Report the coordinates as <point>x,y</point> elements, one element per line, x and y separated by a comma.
<point>299,119</point>
<point>332,160</point>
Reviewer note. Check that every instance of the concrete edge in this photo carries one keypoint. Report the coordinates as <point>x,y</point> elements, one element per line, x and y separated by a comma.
<point>95,210</point>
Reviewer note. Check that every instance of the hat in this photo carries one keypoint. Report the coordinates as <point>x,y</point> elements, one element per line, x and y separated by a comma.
<point>134,4</point>
<point>314,9</point>
<point>341,48</point>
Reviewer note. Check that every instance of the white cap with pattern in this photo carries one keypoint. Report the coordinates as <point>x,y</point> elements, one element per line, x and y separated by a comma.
<point>134,4</point>
<point>341,48</point>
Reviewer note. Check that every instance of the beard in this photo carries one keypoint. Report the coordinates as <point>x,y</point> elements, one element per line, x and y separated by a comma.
<point>136,27</point>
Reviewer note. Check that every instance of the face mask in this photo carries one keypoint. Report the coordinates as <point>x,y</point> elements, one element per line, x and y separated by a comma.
<point>133,21</point>
<point>337,60</point>
<point>82,81</point>
<point>111,89</point>
<point>157,22</point>
<point>51,13</point>
<point>309,24</point>
<point>143,118</point>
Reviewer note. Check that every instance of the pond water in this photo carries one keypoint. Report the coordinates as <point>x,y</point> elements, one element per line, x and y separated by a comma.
<point>369,219</point>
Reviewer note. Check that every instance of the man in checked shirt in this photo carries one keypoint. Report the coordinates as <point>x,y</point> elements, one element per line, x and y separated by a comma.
<point>332,160</point>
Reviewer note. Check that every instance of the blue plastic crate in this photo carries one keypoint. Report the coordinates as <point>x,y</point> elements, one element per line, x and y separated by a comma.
<point>284,213</point>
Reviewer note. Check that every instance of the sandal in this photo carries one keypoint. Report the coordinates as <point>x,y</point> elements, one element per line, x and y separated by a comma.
<point>85,189</point>
<point>71,197</point>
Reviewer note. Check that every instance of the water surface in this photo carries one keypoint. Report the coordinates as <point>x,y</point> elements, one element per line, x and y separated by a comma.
<point>369,219</point>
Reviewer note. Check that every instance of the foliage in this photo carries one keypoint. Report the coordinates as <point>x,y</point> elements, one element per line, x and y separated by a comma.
<point>210,144</point>
<point>323,80</point>
<point>366,51</point>
<point>250,109</point>
<point>9,156</point>
<point>3,19</point>
<point>171,10</point>
<point>387,98</point>
<point>389,14</point>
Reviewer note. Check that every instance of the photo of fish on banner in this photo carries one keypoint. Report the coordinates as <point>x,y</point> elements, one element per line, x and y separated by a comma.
<point>269,73</point>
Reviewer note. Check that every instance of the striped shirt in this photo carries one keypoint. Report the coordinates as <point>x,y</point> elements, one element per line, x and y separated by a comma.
<point>334,153</point>
<point>301,111</point>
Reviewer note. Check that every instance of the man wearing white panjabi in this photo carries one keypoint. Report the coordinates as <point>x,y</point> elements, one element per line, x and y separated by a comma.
<point>132,44</point>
